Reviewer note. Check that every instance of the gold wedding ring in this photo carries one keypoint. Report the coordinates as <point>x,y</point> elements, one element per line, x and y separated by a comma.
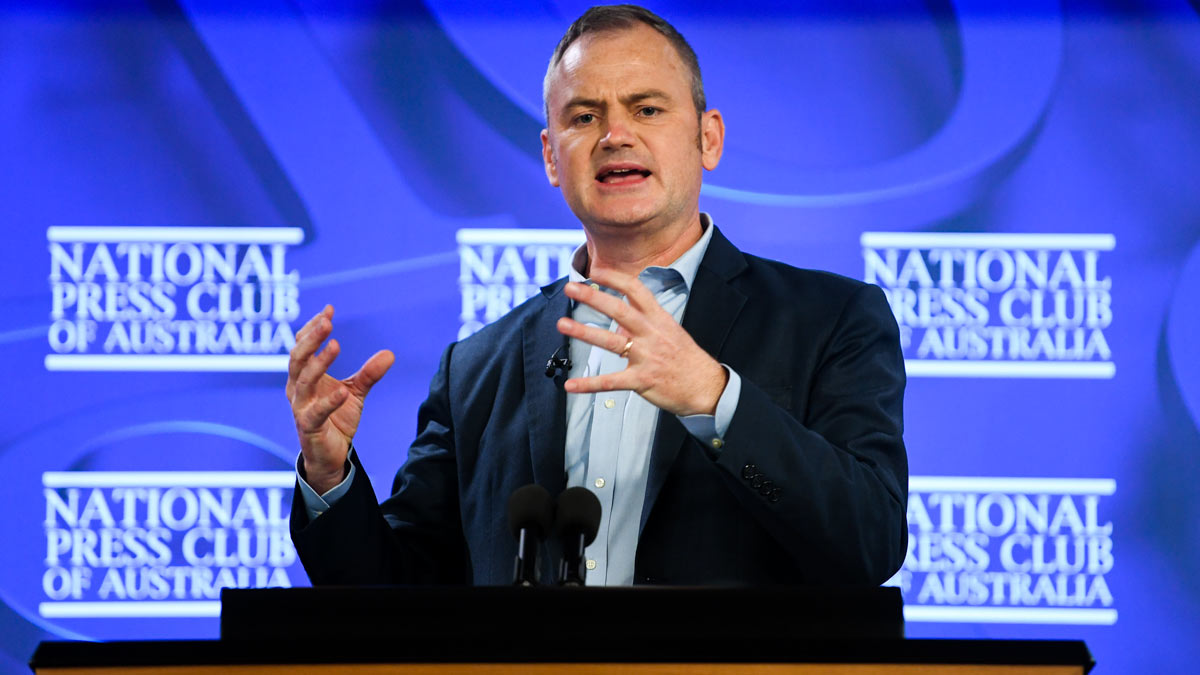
<point>625,352</point>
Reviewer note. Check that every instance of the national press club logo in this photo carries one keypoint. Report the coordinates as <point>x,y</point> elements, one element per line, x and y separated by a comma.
<point>1008,550</point>
<point>161,544</point>
<point>997,304</point>
<point>171,298</point>
<point>134,517</point>
<point>501,268</point>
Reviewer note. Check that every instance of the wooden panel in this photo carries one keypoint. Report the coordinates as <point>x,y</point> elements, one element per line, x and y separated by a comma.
<point>579,669</point>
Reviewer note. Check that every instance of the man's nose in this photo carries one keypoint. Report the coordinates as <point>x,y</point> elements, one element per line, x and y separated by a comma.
<point>618,131</point>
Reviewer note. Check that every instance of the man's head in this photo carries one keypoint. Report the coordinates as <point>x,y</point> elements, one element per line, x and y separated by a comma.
<point>612,18</point>
<point>627,136</point>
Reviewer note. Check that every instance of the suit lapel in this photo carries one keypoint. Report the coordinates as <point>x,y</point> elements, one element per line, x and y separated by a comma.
<point>713,306</point>
<point>545,401</point>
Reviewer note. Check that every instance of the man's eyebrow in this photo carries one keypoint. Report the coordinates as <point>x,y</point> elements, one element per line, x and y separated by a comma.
<point>581,102</point>
<point>628,99</point>
<point>640,96</point>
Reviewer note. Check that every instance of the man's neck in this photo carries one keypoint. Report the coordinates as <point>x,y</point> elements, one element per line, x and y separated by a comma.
<point>629,251</point>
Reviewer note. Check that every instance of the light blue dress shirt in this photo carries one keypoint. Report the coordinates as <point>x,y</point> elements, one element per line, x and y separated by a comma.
<point>610,434</point>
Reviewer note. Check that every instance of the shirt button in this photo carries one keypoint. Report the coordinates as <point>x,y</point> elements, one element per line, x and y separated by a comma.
<point>608,403</point>
<point>717,443</point>
<point>595,287</point>
<point>591,564</point>
<point>599,482</point>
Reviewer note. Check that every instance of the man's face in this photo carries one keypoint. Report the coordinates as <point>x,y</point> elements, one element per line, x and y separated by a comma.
<point>624,141</point>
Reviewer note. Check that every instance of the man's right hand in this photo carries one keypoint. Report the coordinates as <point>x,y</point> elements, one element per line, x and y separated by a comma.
<point>327,411</point>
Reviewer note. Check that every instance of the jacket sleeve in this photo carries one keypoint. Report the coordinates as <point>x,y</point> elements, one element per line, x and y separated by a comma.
<point>415,536</point>
<point>829,479</point>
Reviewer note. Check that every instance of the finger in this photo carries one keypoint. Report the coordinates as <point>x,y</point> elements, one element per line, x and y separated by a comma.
<point>313,416</point>
<point>307,345</point>
<point>606,304</point>
<point>618,381</point>
<point>315,369</point>
<point>326,312</point>
<point>631,287</point>
<point>371,372</point>
<point>598,337</point>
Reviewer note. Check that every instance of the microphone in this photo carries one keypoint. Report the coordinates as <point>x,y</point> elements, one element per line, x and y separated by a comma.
<point>577,521</point>
<point>559,363</point>
<point>530,516</point>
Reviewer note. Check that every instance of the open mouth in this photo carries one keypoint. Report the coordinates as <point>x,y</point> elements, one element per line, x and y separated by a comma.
<point>618,175</point>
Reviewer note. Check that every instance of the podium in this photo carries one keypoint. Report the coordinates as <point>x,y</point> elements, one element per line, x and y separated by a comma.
<point>499,630</point>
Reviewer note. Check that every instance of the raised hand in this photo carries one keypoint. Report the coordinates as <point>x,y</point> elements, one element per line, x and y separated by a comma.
<point>327,411</point>
<point>665,365</point>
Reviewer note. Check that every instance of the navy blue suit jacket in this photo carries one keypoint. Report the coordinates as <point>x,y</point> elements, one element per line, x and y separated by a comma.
<point>810,486</point>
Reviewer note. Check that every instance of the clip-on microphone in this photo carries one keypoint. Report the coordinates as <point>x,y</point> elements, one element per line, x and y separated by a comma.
<point>559,363</point>
<point>560,360</point>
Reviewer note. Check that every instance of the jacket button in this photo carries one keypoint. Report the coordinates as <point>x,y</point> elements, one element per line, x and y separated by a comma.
<point>749,471</point>
<point>758,481</point>
<point>774,496</point>
<point>767,488</point>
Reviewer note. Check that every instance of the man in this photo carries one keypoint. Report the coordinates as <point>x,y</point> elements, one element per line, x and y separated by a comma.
<point>758,441</point>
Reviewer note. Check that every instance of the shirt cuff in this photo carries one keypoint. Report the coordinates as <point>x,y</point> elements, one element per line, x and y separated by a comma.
<point>710,429</point>
<point>314,503</point>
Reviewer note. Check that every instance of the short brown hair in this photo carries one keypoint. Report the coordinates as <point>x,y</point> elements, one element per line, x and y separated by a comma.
<point>606,18</point>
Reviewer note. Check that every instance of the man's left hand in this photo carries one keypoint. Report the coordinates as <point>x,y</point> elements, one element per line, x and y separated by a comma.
<point>665,366</point>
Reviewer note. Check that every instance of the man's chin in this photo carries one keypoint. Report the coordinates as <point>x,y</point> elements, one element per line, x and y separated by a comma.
<point>630,222</point>
<point>619,219</point>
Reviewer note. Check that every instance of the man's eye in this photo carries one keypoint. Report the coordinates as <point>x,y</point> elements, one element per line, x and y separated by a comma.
<point>649,111</point>
<point>585,118</point>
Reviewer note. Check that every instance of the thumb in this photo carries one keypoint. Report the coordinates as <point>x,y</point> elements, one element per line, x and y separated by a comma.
<point>371,372</point>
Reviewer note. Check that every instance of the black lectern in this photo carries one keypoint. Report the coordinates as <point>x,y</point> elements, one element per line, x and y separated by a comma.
<point>570,619</point>
<point>496,630</point>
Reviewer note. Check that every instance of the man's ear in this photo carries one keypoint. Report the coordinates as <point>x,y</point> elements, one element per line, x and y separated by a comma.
<point>712,138</point>
<point>548,158</point>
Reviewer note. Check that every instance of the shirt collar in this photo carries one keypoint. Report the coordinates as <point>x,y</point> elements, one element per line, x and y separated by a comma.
<point>685,265</point>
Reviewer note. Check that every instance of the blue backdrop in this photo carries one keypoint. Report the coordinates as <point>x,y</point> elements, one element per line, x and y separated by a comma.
<point>184,183</point>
